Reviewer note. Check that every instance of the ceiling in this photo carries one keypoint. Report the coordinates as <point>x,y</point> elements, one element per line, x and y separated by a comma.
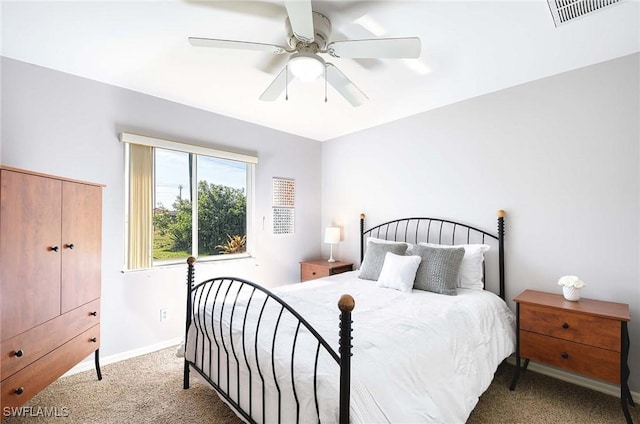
<point>469,48</point>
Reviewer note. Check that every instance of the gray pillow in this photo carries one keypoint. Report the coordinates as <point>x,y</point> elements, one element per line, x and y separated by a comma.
<point>374,258</point>
<point>438,271</point>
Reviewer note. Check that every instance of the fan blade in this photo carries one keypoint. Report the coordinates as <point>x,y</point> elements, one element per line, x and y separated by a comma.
<point>380,48</point>
<point>237,45</point>
<point>301,19</point>
<point>269,64</point>
<point>262,9</point>
<point>277,86</point>
<point>367,63</point>
<point>344,86</point>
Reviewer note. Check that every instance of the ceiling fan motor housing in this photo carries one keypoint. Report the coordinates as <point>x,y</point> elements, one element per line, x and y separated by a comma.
<point>321,31</point>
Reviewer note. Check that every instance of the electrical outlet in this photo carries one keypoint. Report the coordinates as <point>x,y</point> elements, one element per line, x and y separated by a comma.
<point>164,314</point>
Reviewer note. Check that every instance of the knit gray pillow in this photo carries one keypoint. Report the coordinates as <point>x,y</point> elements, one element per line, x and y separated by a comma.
<point>438,271</point>
<point>374,258</point>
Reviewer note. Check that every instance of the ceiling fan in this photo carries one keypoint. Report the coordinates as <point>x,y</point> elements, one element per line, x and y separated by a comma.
<point>308,37</point>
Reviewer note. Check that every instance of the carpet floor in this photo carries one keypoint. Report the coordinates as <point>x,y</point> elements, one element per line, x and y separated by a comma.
<point>148,389</point>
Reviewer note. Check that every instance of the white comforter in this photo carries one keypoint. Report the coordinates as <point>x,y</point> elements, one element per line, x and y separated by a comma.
<point>418,357</point>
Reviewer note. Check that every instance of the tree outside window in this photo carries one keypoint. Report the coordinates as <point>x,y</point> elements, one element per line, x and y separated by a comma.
<point>221,192</point>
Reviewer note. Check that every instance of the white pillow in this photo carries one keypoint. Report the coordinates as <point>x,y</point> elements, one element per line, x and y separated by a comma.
<point>398,272</point>
<point>470,275</point>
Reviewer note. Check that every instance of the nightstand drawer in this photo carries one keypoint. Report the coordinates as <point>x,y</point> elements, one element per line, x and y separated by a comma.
<point>310,272</point>
<point>592,361</point>
<point>586,329</point>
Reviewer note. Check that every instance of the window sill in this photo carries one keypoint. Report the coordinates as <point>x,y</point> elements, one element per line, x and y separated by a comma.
<point>183,262</point>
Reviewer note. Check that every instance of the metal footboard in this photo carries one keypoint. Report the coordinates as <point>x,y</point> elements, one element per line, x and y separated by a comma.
<point>225,341</point>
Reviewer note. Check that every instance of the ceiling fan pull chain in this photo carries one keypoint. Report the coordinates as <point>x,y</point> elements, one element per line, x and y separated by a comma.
<point>325,83</point>
<point>286,82</point>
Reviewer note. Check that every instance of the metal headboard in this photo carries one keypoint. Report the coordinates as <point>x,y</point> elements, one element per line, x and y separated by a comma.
<point>439,231</point>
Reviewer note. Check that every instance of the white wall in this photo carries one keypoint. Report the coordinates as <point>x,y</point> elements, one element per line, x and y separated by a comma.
<point>560,155</point>
<point>65,125</point>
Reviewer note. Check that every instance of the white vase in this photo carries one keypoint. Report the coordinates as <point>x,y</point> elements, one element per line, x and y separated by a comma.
<point>571,293</point>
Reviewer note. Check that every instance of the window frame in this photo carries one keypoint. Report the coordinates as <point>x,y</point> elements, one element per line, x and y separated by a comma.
<point>196,151</point>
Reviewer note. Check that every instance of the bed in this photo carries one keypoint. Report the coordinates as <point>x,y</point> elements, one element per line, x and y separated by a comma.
<point>419,355</point>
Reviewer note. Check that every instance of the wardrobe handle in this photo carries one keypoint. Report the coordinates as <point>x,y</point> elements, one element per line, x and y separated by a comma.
<point>54,248</point>
<point>93,340</point>
<point>564,355</point>
<point>93,314</point>
<point>19,353</point>
<point>565,325</point>
<point>19,390</point>
<point>69,246</point>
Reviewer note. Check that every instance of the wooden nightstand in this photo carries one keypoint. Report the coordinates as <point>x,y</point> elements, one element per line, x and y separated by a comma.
<point>310,270</point>
<point>589,337</point>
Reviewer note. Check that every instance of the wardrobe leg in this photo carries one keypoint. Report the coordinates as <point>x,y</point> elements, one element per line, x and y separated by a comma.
<point>97,355</point>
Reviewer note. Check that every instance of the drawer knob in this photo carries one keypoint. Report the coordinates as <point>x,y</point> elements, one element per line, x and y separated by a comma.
<point>19,353</point>
<point>313,273</point>
<point>565,325</point>
<point>69,246</point>
<point>564,355</point>
<point>93,340</point>
<point>54,248</point>
<point>19,390</point>
<point>93,314</point>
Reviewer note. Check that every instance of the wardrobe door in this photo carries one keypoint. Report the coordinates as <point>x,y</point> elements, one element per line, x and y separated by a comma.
<point>81,244</point>
<point>29,251</point>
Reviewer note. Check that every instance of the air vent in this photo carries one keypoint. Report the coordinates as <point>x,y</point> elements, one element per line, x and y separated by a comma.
<point>568,10</point>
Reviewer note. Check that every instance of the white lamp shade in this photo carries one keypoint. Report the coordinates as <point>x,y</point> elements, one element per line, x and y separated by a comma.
<point>332,235</point>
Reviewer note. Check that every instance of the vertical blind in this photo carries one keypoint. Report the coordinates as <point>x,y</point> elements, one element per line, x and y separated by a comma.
<point>140,206</point>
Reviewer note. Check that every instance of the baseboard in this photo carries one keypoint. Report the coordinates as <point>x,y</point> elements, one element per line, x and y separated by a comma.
<point>89,364</point>
<point>597,385</point>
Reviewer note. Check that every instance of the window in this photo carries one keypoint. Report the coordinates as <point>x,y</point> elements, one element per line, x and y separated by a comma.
<point>185,201</point>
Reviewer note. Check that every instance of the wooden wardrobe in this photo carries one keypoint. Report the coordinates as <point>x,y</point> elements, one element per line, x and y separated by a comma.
<point>50,276</point>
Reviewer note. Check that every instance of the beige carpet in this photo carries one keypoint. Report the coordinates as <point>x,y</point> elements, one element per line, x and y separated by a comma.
<point>539,399</point>
<point>148,389</point>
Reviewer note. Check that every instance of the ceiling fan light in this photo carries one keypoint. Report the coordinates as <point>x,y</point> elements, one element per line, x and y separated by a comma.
<point>306,66</point>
